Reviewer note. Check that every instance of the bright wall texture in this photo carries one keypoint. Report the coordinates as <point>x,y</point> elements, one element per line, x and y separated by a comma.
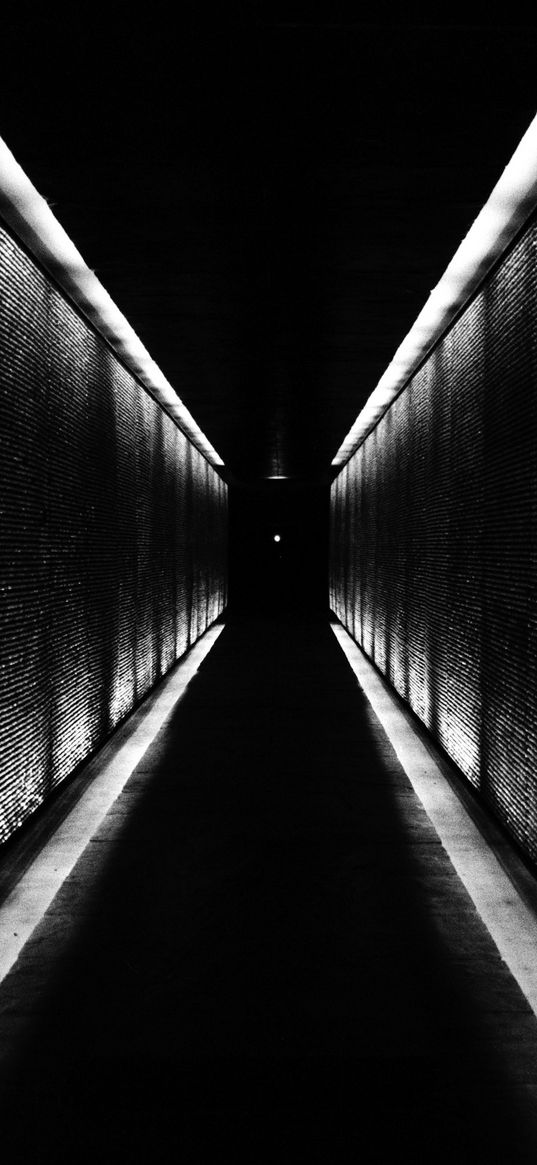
<point>434,542</point>
<point>112,539</point>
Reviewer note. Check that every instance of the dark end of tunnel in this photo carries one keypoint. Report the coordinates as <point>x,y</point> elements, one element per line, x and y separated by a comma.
<point>278,548</point>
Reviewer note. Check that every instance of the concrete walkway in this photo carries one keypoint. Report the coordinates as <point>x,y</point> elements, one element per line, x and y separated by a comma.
<point>264,953</point>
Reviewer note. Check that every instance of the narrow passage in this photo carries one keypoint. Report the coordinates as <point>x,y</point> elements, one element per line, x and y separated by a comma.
<point>272,957</point>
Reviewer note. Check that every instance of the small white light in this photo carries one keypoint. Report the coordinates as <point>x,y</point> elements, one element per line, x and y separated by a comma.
<point>277,538</point>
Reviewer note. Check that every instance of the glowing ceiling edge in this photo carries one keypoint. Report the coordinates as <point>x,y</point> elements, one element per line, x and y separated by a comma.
<point>511,202</point>
<point>32,220</point>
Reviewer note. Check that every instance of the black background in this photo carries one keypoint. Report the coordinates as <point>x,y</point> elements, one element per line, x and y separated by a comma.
<point>268,191</point>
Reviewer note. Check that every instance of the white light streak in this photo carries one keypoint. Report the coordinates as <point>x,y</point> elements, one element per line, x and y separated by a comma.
<point>106,776</point>
<point>509,920</point>
<point>511,202</point>
<point>30,217</point>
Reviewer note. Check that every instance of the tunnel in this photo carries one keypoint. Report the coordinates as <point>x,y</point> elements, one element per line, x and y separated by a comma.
<point>268,596</point>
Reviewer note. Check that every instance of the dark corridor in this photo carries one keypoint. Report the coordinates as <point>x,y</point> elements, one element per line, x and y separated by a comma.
<point>271,955</point>
<point>268,342</point>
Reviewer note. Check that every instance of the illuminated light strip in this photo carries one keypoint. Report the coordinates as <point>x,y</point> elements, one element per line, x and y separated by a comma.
<point>510,922</point>
<point>32,220</point>
<point>107,774</point>
<point>511,202</point>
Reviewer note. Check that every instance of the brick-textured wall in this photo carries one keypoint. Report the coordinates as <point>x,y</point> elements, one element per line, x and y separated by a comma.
<point>112,539</point>
<point>434,542</point>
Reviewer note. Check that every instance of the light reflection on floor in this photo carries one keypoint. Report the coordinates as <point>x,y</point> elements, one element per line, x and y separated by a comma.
<point>509,918</point>
<point>107,775</point>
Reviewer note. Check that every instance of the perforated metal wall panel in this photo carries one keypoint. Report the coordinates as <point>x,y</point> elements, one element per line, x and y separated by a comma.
<point>112,539</point>
<point>434,542</point>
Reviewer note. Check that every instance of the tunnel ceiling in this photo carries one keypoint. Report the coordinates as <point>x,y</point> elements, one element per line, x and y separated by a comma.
<point>269,198</point>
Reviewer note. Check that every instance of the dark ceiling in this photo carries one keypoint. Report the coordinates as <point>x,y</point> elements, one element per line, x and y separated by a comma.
<point>268,197</point>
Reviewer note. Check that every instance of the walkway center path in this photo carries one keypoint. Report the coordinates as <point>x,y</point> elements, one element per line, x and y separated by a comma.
<point>265,954</point>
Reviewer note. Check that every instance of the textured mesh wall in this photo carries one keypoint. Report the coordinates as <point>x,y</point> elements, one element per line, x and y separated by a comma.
<point>112,539</point>
<point>434,543</point>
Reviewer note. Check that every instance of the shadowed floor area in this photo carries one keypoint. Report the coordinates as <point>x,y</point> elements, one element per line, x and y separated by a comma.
<point>265,952</point>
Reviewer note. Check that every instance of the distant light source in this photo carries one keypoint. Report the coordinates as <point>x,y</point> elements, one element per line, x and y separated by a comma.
<point>277,538</point>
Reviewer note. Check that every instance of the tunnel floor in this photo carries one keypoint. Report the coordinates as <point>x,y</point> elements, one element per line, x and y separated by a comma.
<point>265,953</point>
